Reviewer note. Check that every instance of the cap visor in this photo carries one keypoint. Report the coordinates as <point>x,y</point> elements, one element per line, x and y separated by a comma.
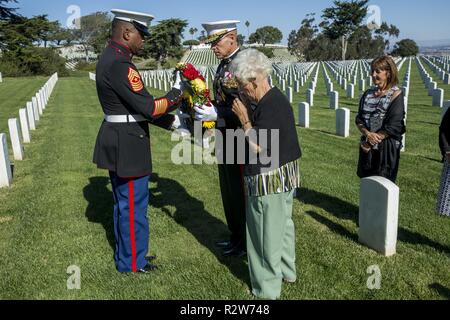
<point>143,30</point>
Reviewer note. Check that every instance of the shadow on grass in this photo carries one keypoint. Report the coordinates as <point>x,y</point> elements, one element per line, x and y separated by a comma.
<point>431,159</point>
<point>427,122</point>
<point>100,207</point>
<point>335,227</point>
<point>441,290</point>
<point>328,133</point>
<point>190,213</point>
<point>348,211</point>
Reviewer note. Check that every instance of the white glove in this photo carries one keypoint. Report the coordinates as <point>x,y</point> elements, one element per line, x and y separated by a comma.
<point>206,113</point>
<point>178,82</point>
<point>179,124</point>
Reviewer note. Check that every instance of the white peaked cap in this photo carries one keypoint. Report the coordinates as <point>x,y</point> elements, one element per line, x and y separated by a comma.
<point>143,19</point>
<point>218,29</point>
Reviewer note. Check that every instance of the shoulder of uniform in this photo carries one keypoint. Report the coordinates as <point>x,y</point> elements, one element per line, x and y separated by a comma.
<point>122,64</point>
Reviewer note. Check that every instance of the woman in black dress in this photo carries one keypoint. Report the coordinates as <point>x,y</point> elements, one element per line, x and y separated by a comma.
<point>381,121</point>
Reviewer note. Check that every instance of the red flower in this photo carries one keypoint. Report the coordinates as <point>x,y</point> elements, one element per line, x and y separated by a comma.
<point>190,72</point>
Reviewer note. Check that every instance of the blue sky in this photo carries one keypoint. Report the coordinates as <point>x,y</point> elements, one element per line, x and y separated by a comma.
<point>418,20</point>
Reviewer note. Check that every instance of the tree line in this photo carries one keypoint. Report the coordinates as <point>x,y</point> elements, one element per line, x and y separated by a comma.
<point>343,35</point>
<point>30,46</point>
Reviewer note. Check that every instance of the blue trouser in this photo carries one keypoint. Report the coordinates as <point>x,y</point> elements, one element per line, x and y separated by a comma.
<point>131,228</point>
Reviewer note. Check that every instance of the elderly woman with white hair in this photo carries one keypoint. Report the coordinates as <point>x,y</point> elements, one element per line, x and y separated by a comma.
<point>270,186</point>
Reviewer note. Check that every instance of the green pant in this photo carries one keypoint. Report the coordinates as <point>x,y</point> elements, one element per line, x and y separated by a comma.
<point>270,243</point>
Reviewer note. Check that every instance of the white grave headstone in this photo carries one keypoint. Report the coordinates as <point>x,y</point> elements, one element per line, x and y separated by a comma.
<point>14,134</point>
<point>334,100</point>
<point>438,98</point>
<point>405,101</point>
<point>290,94</point>
<point>431,88</point>
<point>343,122</point>
<point>5,164</point>
<point>330,88</point>
<point>39,104</point>
<point>30,114</point>
<point>378,214</point>
<point>35,109</point>
<point>351,91</point>
<point>297,86</point>
<point>310,97</point>
<point>445,107</point>
<point>25,128</point>
<point>447,79</point>
<point>362,85</point>
<point>303,112</point>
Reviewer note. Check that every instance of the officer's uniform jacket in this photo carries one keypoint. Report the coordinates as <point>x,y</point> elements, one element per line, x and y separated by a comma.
<point>124,148</point>
<point>225,91</point>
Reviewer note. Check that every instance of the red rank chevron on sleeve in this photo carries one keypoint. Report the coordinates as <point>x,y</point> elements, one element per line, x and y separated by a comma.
<point>135,80</point>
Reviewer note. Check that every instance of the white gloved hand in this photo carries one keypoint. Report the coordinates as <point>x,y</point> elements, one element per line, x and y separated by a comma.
<point>178,82</point>
<point>179,124</point>
<point>206,113</point>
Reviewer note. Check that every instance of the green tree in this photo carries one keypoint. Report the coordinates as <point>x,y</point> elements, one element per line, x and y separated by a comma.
<point>267,51</point>
<point>406,48</point>
<point>16,33</point>
<point>241,39</point>
<point>44,29</point>
<point>7,13</point>
<point>342,20</point>
<point>191,43</point>
<point>266,35</point>
<point>299,41</point>
<point>165,40</point>
<point>62,35</point>
<point>94,32</point>
<point>385,32</point>
<point>202,36</point>
<point>322,48</point>
<point>193,31</point>
<point>362,45</point>
<point>247,24</point>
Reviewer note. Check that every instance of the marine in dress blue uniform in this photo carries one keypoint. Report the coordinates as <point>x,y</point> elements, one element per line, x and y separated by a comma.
<point>123,142</point>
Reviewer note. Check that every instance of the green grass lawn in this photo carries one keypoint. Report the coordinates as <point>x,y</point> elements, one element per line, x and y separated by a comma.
<point>14,94</point>
<point>58,213</point>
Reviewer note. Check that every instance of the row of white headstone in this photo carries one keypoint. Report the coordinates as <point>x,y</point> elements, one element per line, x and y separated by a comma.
<point>342,114</point>
<point>19,130</point>
<point>299,80</point>
<point>442,73</point>
<point>436,93</point>
<point>342,119</point>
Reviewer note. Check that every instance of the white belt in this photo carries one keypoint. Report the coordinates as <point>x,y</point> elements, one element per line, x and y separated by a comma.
<point>125,118</point>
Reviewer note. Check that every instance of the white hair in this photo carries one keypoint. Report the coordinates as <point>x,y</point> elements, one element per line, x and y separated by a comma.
<point>251,63</point>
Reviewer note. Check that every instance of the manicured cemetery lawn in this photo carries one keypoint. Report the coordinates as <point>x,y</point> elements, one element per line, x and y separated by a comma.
<point>14,94</point>
<point>59,213</point>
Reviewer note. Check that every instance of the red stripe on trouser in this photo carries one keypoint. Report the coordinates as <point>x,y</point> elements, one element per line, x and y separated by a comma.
<point>132,235</point>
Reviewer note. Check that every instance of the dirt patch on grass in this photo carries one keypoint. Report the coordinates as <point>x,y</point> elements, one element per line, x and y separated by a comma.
<point>5,219</point>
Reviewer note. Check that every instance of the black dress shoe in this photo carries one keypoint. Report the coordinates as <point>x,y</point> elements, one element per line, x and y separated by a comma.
<point>235,252</point>
<point>224,244</point>
<point>150,258</point>
<point>148,268</point>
